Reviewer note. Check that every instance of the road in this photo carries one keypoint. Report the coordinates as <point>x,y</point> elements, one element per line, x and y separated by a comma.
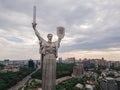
<point>22,82</point>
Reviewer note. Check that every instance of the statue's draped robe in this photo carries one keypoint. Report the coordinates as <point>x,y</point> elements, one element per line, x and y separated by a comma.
<point>49,54</point>
<point>49,67</point>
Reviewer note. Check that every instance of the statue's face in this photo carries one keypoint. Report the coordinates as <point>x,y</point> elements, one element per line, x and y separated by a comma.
<point>50,36</point>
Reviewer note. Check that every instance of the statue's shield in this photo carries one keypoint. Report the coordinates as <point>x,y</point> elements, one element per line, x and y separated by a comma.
<point>60,32</point>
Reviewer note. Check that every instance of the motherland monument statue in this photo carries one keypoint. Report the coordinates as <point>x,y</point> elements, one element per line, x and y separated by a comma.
<point>49,53</point>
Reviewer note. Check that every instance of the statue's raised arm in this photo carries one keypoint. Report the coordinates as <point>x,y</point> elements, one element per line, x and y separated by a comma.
<point>36,32</point>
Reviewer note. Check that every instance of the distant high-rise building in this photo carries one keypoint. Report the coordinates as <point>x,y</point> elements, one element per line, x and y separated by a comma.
<point>116,63</point>
<point>70,60</point>
<point>78,70</point>
<point>102,62</point>
<point>86,64</point>
<point>60,60</point>
<point>6,61</point>
<point>31,63</point>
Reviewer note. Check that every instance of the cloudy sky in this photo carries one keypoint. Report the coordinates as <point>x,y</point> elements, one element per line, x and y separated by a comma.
<point>92,28</point>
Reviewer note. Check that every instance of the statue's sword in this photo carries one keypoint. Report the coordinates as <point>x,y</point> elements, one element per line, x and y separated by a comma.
<point>34,22</point>
<point>34,14</point>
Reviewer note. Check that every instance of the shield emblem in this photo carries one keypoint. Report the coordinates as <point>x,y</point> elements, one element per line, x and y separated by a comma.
<point>60,32</point>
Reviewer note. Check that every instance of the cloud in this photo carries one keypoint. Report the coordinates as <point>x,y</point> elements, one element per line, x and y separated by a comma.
<point>90,25</point>
<point>108,54</point>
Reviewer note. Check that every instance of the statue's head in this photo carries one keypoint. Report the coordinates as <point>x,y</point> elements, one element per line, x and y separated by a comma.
<point>49,36</point>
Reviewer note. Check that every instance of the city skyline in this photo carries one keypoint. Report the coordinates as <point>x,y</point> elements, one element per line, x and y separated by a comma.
<point>92,28</point>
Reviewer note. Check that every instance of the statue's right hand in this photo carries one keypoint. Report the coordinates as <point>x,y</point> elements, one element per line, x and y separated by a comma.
<point>34,25</point>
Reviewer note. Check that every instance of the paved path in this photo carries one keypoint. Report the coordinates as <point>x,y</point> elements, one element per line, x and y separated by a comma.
<point>59,80</point>
<point>22,82</point>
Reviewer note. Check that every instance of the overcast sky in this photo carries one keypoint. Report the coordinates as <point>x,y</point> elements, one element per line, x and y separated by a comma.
<point>92,28</point>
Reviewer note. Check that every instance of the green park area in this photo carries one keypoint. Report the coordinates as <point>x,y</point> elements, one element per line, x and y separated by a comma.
<point>9,79</point>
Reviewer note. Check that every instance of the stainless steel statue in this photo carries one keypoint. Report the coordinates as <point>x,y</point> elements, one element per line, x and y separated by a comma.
<point>49,53</point>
